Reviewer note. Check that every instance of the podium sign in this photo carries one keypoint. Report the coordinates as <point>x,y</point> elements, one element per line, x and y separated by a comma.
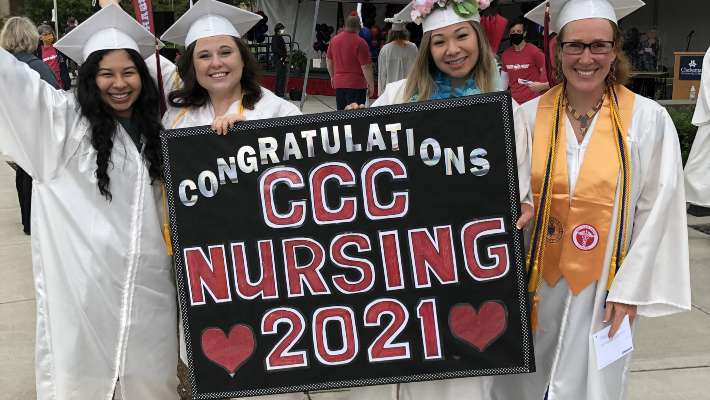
<point>691,67</point>
<point>686,73</point>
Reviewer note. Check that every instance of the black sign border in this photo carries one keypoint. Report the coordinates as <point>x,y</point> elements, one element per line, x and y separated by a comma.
<point>502,99</point>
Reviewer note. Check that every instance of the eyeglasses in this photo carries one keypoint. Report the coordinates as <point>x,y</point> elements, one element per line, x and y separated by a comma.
<point>577,48</point>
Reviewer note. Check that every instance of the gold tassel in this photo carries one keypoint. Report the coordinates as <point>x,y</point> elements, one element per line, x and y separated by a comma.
<point>166,225</point>
<point>534,310</point>
<point>166,238</point>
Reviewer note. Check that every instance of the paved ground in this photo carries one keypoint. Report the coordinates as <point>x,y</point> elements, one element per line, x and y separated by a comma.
<point>671,360</point>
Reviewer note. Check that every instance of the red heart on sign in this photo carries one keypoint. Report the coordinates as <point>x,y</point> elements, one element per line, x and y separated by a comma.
<point>229,351</point>
<point>478,329</point>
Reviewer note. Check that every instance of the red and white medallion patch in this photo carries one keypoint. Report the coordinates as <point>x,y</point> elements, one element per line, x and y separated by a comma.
<point>585,237</point>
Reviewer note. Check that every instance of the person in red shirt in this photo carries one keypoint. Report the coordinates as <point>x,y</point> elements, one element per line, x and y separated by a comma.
<point>349,65</point>
<point>54,59</point>
<point>494,24</point>
<point>525,65</point>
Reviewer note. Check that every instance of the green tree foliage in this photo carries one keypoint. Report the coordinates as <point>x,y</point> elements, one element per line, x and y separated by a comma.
<point>41,10</point>
<point>686,130</point>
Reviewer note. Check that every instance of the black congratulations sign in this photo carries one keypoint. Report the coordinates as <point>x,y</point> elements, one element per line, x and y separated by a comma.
<point>348,249</point>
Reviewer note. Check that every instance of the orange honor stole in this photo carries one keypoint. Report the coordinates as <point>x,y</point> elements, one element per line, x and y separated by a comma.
<point>578,224</point>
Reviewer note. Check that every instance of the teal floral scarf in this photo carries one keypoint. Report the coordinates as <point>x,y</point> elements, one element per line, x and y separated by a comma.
<point>443,89</point>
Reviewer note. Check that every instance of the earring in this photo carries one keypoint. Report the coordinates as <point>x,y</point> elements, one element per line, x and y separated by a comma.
<point>611,76</point>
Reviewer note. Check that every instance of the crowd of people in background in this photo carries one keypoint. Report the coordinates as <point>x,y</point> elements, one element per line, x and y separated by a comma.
<point>362,68</point>
<point>521,62</point>
<point>114,112</point>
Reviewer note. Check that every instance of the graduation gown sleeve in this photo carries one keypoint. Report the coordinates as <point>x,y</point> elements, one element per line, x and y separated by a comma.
<point>697,184</point>
<point>701,116</point>
<point>36,120</point>
<point>523,150</point>
<point>655,273</point>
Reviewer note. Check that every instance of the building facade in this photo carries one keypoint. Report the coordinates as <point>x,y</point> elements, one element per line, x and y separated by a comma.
<point>9,7</point>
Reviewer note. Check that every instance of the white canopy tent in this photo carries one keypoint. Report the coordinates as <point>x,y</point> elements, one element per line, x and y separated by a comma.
<point>298,15</point>
<point>305,13</point>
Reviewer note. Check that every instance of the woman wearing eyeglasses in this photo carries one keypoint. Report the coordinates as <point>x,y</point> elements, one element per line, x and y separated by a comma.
<point>609,240</point>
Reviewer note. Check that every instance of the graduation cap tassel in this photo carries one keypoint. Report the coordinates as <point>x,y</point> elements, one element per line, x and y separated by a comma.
<point>546,45</point>
<point>146,19</point>
<point>161,90</point>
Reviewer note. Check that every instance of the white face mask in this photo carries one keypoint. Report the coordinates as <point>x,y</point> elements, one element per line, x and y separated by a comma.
<point>282,31</point>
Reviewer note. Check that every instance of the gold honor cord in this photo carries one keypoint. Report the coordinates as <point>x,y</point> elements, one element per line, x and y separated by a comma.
<point>537,248</point>
<point>542,220</point>
<point>166,222</point>
<point>623,152</point>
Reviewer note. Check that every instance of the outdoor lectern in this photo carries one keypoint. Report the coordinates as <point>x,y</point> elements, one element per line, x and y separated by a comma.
<point>686,73</point>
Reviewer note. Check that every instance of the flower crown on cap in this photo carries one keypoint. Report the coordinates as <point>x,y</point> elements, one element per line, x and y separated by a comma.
<point>463,8</point>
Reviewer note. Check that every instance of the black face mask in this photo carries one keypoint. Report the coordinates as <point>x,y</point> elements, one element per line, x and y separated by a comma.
<point>516,38</point>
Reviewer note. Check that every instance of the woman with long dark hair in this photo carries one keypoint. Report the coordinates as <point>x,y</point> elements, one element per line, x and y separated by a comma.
<point>219,74</point>
<point>106,314</point>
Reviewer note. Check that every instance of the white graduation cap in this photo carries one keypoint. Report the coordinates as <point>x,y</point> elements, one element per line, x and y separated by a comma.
<point>109,29</point>
<point>563,12</point>
<point>210,18</point>
<point>438,17</point>
<point>397,24</point>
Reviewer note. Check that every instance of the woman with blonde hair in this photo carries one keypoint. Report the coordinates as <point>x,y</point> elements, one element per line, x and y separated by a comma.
<point>610,234</point>
<point>454,60</point>
<point>19,37</point>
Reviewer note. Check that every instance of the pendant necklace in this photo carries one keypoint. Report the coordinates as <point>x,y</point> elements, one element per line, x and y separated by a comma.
<point>586,118</point>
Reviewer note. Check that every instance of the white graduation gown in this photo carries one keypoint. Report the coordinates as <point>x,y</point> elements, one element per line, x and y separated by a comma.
<point>104,286</point>
<point>448,389</point>
<point>269,106</point>
<point>654,276</point>
<point>697,181</point>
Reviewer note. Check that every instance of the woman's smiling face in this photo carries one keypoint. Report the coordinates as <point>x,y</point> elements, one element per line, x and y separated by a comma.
<point>119,82</point>
<point>218,64</point>
<point>454,49</point>
<point>587,72</point>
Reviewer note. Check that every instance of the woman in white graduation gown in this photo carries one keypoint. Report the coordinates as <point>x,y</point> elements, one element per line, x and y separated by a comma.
<point>464,65</point>
<point>106,314</point>
<point>613,241</point>
<point>217,81</point>
<point>219,75</point>
<point>697,181</point>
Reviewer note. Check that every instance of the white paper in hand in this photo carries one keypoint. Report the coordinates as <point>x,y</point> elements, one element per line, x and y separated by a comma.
<point>610,350</point>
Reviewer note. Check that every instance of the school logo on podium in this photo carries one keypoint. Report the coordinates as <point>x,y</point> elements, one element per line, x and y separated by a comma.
<point>691,67</point>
